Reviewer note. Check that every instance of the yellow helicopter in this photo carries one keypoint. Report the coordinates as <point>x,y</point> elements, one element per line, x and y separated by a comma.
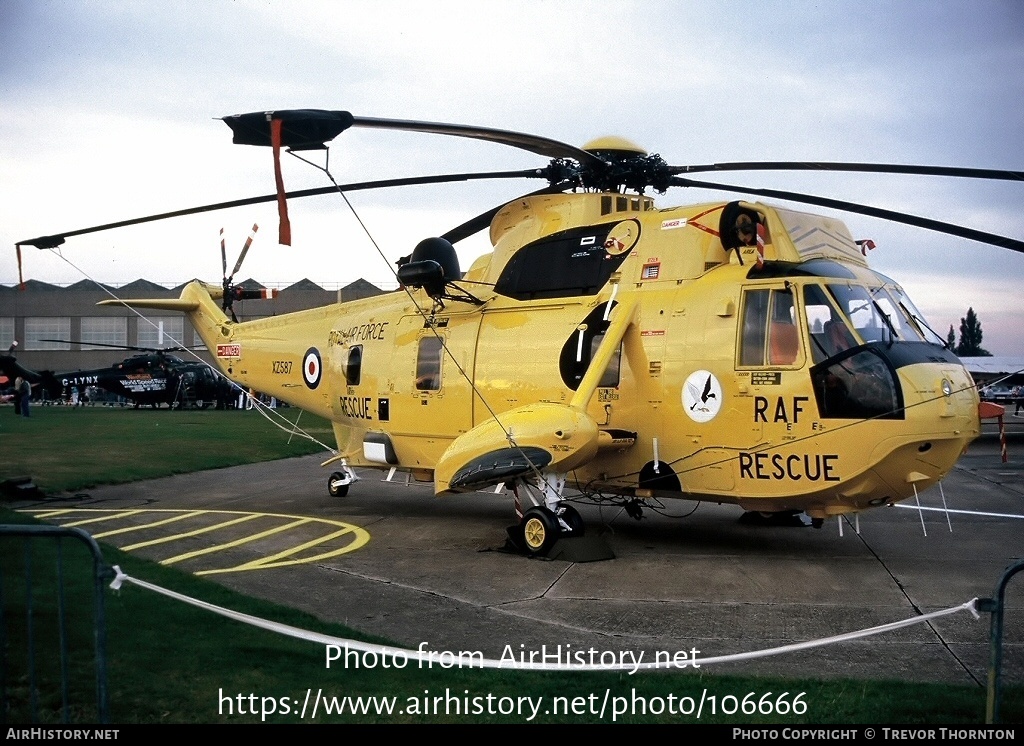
<point>735,352</point>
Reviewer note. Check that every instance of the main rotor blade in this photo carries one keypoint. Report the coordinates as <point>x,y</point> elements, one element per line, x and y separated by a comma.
<point>877,212</point>
<point>307,129</point>
<point>532,143</point>
<point>877,168</point>
<point>52,241</point>
<point>483,220</point>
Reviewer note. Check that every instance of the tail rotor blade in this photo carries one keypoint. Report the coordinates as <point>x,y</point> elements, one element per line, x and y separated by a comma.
<point>245,250</point>
<point>223,256</point>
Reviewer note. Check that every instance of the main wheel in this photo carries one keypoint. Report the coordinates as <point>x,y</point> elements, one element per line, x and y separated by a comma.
<point>336,490</point>
<point>540,530</point>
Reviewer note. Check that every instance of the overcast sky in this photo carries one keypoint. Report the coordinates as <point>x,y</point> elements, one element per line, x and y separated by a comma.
<point>109,112</point>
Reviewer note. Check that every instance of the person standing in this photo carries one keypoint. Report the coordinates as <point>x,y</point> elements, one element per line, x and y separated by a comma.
<point>26,394</point>
<point>17,396</point>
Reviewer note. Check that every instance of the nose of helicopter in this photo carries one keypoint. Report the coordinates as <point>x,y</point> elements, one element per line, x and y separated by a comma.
<point>942,416</point>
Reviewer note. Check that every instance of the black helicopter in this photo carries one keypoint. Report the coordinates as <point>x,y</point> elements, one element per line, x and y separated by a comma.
<point>153,377</point>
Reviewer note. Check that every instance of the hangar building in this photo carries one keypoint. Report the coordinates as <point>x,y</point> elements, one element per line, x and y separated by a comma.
<point>42,311</point>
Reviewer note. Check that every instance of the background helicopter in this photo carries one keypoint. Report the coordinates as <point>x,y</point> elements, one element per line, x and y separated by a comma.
<point>718,351</point>
<point>152,378</point>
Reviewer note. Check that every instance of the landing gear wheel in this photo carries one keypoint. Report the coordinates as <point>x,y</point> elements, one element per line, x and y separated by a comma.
<point>571,516</point>
<point>336,490</point>
<point>540,530</point>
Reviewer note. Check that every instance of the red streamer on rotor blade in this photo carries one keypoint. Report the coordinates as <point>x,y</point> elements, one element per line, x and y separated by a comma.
<point>285,227</point>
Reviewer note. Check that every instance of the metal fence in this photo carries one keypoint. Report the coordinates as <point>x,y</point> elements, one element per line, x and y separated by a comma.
<point>996,607</point>
<point>41,636</point>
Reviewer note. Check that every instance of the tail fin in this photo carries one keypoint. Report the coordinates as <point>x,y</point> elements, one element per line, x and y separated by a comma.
<point>198,301</point>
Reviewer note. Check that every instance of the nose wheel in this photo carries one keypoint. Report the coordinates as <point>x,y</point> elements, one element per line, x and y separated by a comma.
<point>339,482</point>
<point>336,485</point>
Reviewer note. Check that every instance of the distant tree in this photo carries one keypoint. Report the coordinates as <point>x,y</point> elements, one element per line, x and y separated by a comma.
<point>951,338</point>
<point>970,337</point>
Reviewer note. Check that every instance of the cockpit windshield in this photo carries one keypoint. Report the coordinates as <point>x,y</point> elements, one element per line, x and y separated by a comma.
<point>872,321</point>
<point>917,319</point>
<point>879,314</point>
<point>882,314</point>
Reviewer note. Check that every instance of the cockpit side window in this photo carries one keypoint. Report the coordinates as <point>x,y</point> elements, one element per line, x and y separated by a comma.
<point>755,321</point>
<point>783,339</point>
<point>829,334</point>
<point>770,335</point>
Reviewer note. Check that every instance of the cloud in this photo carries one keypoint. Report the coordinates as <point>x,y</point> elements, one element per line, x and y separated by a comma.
<point>109,113</point>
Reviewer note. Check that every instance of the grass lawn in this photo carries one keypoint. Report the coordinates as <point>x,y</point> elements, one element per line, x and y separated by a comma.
<point>70,448</point>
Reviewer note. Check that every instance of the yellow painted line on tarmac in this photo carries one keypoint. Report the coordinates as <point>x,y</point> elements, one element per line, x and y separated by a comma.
<point>360,537</point>
<point>197,532</point>
<point>154,524</point>
<point>111,517</point>
<point>236,542</point>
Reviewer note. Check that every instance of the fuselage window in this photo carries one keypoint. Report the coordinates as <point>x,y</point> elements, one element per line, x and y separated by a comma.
<point>610,379</point>
<point>428,364</point>
<point>354,365</point>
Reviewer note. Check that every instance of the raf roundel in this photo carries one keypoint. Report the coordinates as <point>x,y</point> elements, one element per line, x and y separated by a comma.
<point>312,367</point>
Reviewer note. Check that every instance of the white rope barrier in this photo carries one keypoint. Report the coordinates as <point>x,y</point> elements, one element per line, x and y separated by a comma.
<point>507,663</point>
